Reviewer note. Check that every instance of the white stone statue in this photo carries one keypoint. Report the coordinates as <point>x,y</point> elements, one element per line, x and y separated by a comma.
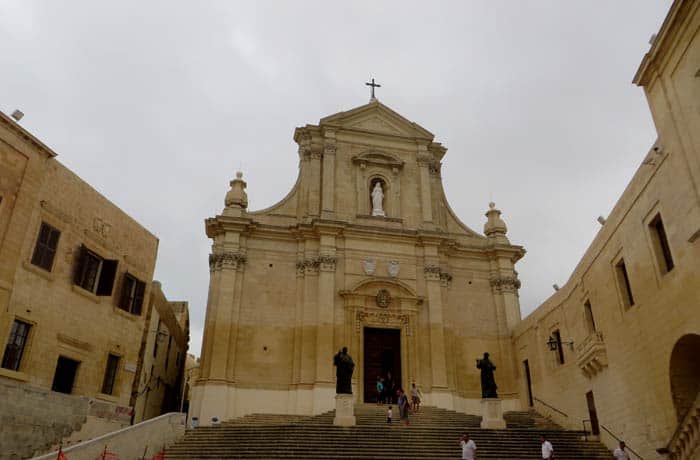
<point>377,200</point>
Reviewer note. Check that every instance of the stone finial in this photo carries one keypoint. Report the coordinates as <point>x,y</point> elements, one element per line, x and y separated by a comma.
<point>236,199</point>
<point>495,227</point>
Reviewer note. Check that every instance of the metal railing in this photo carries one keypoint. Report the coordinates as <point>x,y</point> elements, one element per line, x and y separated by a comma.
<point>620,440</point>
<point>550,406</point>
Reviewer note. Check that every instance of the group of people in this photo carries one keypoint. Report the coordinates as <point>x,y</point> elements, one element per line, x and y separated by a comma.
<point>386,392</point>
<point>469,449</point>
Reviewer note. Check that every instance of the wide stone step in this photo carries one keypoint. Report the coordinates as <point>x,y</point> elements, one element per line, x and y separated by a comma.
<point>432,434</point>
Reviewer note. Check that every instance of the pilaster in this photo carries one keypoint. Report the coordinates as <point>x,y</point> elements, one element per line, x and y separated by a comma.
<point>432,272</point>
<point>424,160</point>
<point>328,183</point>
<point>224,268</point>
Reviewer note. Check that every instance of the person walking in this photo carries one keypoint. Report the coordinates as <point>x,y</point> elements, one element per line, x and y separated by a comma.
<point>415,397</point>
<point>468,447</point>
<point>380,390</point>
<point>389,389</point>
<point>620,453</point>
<point>403,406</point>
<point>547,448</point>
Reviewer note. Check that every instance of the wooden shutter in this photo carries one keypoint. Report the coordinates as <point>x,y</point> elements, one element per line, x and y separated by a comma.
<point>138,298</point>
<point>79,264</point>
<point>124,289</point>
<point>107,275</point>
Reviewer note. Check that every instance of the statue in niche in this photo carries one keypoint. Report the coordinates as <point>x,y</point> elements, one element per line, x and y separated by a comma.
<point>378,199</point>
<point>488,383</point>
<point>344,366</point>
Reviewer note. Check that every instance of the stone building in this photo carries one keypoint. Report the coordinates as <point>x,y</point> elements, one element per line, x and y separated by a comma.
<point>74,270</point>
<point>162,367</point>
<point>617,346</point>
<point>363,252</point>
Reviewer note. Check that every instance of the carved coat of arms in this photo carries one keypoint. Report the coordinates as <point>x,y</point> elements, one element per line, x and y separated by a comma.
<point>369,266</point>
<point>393,268</point>
<point>383,298</point>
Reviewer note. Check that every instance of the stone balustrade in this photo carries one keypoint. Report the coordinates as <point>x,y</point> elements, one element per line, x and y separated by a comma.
<point>685,443</point>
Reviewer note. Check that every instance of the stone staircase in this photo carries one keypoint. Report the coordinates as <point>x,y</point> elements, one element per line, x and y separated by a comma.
<point>432,434</point>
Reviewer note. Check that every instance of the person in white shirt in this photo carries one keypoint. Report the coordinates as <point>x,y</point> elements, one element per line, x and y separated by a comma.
<point>620,453</point>
<point>547,449</point>
<point>468,447</point>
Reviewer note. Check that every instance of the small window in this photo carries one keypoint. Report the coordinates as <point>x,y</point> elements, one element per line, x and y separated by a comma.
<point>110,374</point>
<point>560,348</point>
<point>45,248</point>
<point>16,344</point>
<point>590,322</point>
<point>155,341</point>
<point>623,281</point>
<point>167,353</point>
<point>131,299</point>
<point>660,242</point>
<point>95,274</point>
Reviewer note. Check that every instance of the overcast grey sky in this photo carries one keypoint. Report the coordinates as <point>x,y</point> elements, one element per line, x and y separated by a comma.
<point>156,104</point>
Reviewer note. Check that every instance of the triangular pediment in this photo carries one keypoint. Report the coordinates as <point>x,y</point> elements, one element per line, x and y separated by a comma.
<point>375,117</point>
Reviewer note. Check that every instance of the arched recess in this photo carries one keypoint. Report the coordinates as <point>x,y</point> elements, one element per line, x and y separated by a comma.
<point>685,373</point>
<point>373,165</point>
<point>387,203</point>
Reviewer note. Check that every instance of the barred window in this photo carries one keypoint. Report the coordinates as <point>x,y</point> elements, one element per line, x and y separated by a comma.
<point>16,344</point>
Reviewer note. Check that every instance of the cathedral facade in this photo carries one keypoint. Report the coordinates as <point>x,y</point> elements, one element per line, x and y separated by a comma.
<point>364,253</point>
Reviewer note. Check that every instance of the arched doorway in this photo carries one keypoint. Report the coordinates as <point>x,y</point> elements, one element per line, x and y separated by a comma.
<point>685,373</point>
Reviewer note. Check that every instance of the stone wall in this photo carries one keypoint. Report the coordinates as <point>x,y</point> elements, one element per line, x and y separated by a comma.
<point>625,357</point>
<point>34,419</point>
<point>143,440</point>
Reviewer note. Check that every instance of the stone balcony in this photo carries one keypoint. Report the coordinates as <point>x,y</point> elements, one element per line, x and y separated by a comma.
<point>592,356</point>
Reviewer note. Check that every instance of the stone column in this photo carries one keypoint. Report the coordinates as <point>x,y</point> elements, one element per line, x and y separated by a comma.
<point>329,148</point>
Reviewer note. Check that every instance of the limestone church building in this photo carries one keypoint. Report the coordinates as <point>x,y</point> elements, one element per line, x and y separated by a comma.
<point>363,252</point>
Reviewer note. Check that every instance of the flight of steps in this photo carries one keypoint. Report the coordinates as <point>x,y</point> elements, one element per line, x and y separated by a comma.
<point>432,434</point>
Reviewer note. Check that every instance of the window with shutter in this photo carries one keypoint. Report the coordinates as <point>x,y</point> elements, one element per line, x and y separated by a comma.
<point>45,248</point>
<point>106,280</point>
<point>93,273</point>
<point>131,298</point>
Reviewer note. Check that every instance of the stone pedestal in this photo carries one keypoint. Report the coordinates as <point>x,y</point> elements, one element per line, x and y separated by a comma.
<point>344,410</point>
<point>492,414</point>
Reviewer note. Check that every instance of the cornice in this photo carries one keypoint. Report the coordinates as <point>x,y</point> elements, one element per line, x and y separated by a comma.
<point>25,135</point>
<point>664,41</point>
